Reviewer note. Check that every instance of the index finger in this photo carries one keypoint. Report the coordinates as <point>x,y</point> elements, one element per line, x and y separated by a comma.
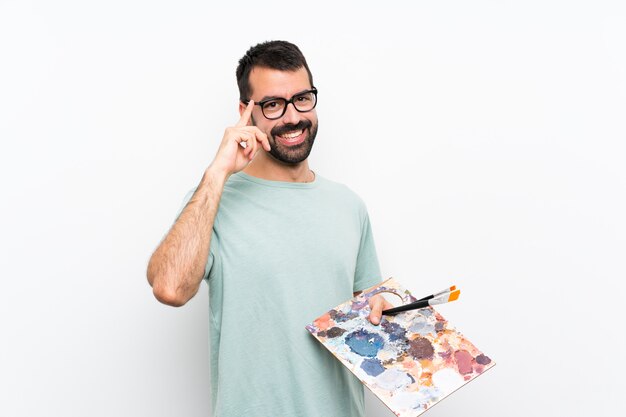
<point>245,116</point>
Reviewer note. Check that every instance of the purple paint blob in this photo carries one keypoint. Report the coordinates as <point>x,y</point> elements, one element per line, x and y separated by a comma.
<point>483,360</point>
<point>340,317</point>
<point>358,305</point>
<point>372,367</point>
<point>364,343</point>
<point>445,355</point>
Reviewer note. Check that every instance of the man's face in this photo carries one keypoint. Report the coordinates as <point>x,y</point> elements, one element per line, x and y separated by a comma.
<point>291,136</point>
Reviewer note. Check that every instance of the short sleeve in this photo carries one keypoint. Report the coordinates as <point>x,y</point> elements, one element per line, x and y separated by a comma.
<point>367,273</point>
<point>214,239</point>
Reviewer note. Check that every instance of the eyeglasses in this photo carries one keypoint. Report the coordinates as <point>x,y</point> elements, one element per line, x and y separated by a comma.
<point>275,108</point>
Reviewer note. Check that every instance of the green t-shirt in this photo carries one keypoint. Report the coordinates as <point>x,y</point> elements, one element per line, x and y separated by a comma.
<point>282,254</point>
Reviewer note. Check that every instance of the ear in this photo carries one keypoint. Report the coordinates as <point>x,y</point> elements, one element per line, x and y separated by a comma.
<point>242,107</point>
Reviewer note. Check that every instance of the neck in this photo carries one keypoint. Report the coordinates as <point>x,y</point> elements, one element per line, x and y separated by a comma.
<point>265,167</point>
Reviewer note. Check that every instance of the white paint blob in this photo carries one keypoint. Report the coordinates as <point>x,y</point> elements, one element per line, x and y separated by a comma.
<point>447,380</point>
<point>407,400</point>
<point>393,379</point>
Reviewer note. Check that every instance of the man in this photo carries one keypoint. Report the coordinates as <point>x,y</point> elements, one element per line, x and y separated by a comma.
<point>278,245</point>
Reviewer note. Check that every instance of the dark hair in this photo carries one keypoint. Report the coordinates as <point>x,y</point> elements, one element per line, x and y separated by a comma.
<point>279,55</point>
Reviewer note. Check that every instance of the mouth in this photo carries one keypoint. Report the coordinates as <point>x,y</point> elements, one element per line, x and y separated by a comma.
<point>292,138</point>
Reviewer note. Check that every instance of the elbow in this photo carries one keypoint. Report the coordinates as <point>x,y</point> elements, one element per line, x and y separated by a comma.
<point>169,290</point>
<point>169,296</point>
<point>164,292</point>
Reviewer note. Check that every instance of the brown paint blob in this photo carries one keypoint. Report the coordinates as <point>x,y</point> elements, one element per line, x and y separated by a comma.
<point>334,332</point>
<point>421,348</point>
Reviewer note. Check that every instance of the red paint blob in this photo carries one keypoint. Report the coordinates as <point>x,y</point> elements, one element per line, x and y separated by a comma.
<point>463,361</point>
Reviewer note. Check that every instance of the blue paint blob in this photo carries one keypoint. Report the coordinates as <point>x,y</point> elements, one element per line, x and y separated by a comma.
<point>372,367</point>
<point>422,327</point>
<point>394,330</point>
<point>364,343</point>
<point>439,326</point>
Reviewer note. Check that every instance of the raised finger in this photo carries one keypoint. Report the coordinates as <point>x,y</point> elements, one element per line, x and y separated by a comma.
<point>245,116</point>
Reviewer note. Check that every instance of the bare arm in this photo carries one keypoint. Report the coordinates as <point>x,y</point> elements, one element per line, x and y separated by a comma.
<point>176,268</point>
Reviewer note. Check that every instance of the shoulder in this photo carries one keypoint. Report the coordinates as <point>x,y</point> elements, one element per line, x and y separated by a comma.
<point>342,193</point>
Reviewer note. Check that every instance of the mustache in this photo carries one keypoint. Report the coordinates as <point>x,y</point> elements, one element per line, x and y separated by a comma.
<point>301,125</point>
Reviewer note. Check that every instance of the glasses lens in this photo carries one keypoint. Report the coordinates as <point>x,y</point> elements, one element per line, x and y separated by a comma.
<point>273,109</point>
<point>305,101</point>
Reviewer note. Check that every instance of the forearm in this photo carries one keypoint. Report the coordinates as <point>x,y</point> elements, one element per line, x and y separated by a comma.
<point>177,266</point>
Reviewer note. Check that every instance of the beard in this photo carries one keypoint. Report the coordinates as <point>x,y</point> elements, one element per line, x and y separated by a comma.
<point>292,155</point>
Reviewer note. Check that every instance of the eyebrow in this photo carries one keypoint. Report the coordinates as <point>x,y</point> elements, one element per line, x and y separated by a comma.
<point>275,97</point>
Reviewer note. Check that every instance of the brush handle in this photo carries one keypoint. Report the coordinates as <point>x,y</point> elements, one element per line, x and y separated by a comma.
<point>407,307</point>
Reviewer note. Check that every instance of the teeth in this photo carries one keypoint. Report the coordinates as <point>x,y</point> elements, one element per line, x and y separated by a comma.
<point>292,134</point>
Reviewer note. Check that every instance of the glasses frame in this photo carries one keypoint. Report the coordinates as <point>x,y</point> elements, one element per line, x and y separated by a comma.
<point>262,103</point>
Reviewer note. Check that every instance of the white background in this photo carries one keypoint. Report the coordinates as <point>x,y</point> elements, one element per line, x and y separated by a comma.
<point>488,139</point>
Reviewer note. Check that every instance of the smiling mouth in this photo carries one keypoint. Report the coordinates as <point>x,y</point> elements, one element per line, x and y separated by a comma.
<point>292,138</point>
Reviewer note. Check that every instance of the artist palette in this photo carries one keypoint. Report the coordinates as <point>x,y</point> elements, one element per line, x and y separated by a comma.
<point>410,361</point>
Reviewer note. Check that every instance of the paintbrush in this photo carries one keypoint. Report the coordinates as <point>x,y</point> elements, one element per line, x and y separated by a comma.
<point>442,297</point>
<point>437,294</point>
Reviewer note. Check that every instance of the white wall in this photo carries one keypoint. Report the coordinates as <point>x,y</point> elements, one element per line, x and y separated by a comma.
<point>488,139</point>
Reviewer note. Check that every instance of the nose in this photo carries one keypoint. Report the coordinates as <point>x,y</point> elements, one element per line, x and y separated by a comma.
<point>291,116</point>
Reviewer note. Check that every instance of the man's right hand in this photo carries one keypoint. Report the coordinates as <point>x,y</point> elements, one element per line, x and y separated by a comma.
<point>231,156</point>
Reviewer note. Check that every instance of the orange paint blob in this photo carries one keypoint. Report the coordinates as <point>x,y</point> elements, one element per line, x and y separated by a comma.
<point>323,322</point>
